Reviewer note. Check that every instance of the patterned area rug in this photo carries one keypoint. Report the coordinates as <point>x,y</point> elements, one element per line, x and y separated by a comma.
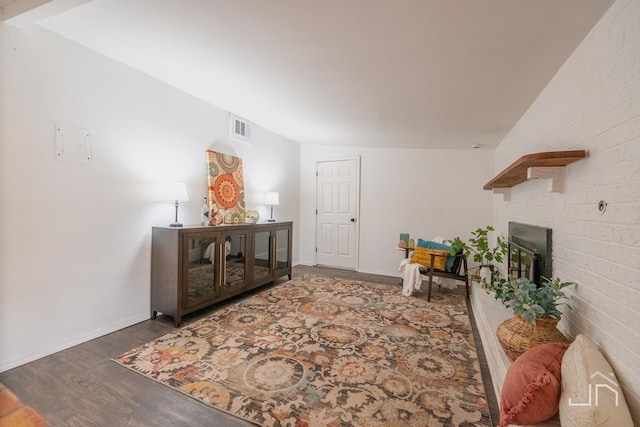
<point>319,351</point>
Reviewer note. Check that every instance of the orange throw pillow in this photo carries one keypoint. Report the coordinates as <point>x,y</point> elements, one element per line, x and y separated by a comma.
<point>531,390</point>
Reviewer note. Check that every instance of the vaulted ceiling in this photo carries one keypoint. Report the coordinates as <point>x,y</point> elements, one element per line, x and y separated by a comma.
<point>377,73</point>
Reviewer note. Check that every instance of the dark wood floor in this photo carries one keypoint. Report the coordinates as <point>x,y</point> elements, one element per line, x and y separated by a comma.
<point>81,386</point>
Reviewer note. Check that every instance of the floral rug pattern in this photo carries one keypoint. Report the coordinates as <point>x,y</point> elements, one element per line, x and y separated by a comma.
<point>320,351</point>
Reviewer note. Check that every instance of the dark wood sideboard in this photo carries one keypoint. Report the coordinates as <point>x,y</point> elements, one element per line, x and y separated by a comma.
<point>193,267</point>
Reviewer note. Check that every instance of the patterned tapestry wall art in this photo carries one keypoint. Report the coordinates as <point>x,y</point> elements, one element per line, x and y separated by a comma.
<point>226,189</point>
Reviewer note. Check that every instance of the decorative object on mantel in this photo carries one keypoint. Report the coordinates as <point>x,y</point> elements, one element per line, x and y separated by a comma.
<point>478,245</point>
<point>204,212</point>
<point>271,198</point>
<point>536,312</point>
<point>175,192</point>
<point>545,165</point>
<point>226,188</point>
<point>252,216</point>
<point>216,217</point>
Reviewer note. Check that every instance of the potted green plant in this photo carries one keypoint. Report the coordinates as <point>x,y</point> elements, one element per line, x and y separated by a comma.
<point>529,300</point>
<point>536,309</point>
<point>483,253</point>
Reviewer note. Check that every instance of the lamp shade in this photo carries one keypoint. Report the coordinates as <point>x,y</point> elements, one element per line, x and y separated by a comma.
<point>175,191</point>
<point>271,198</point>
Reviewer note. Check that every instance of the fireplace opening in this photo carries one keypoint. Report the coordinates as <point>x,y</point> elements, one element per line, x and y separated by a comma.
<point>529,252</point>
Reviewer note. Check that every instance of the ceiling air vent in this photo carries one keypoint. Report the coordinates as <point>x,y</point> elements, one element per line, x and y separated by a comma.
<point>240,128</point>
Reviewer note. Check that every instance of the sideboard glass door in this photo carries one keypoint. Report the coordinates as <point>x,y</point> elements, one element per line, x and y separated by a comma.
<point>262,250</point>
<point>282,249</point>
<point>234,265</point>
<point>200,272</point>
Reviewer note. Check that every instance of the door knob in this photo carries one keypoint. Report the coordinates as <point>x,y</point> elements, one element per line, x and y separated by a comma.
<point>353,220</point>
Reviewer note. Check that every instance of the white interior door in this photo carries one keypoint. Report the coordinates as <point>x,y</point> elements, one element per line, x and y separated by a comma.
<point>338,183</point>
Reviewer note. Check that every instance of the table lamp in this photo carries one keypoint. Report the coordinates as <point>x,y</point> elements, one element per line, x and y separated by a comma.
<point>271,198</point>
<point>176,191</point>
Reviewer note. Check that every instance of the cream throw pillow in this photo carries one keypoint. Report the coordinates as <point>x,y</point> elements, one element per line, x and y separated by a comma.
<point>584,368</point>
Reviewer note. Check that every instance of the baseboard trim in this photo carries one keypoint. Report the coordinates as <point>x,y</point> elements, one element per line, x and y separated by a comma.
<point>113,327</point>
<point>380,273</point>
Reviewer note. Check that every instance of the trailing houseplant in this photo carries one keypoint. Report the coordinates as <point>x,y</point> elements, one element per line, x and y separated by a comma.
<point>536,310</point>
<point>483,253</point>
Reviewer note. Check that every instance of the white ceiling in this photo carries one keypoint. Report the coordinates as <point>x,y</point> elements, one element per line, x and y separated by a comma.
<point>377,73</point>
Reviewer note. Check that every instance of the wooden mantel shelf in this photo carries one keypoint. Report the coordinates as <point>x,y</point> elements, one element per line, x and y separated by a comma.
<point>536,165</point>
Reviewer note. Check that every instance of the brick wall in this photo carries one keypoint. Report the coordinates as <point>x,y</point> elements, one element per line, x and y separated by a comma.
<point>592,103</point>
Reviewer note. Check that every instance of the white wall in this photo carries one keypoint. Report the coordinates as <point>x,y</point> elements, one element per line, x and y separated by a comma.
<point>592,103</point>
<point>426,193</point>
<point>75,238</point>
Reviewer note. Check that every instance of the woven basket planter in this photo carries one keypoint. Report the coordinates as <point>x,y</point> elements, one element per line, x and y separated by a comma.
<point>516,335</point>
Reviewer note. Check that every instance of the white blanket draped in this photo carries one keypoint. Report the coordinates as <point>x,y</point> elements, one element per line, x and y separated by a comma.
<point>411,277</point>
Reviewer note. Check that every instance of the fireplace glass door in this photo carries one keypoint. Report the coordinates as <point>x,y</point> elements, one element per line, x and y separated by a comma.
<point>523,263</point>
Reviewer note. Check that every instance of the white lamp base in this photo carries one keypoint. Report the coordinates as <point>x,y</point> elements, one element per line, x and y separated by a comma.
<point>271,219</point>
<point>176,223</point>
